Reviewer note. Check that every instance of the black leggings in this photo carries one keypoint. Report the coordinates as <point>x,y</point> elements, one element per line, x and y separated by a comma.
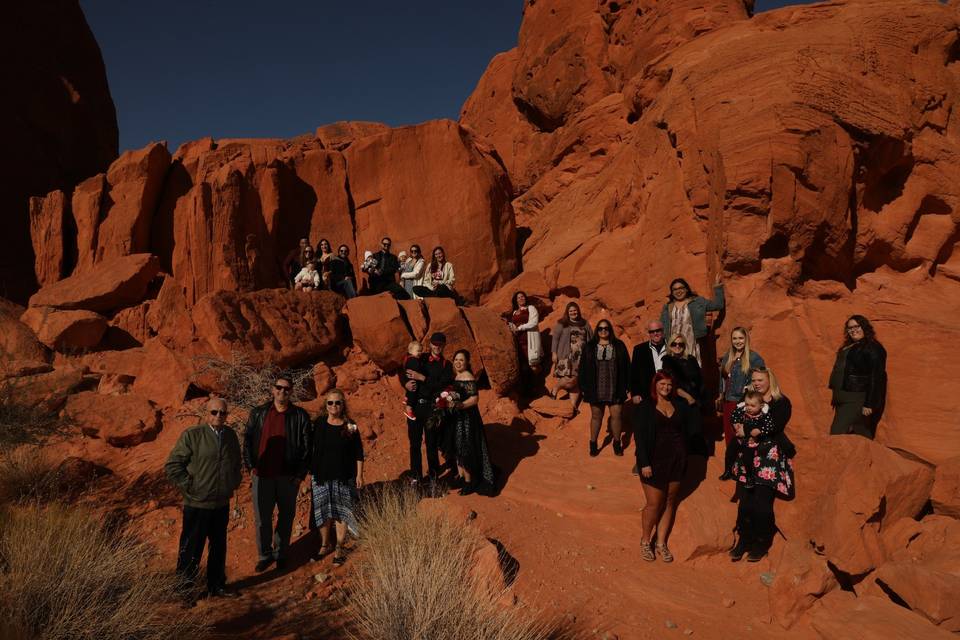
<point>756,523</point>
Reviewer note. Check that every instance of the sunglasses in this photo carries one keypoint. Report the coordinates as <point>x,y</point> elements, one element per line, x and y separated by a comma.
<point>334,403</point>
<point>217,413</point>
<point>854,327</point>
<point>603,329</point>
<point>281,387</point>
<point>654,330</point>
<point>385,244</point>
<point>678,344</point>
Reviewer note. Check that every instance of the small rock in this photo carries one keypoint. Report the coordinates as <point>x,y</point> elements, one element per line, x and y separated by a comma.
<point>321,577</point>
<point>728,602</point>
<point>590,487</point>
<point>688,632</point>
<point>472,515</point>
<point>767,577</point>
<point>610,636</point>
<point>670,624</point>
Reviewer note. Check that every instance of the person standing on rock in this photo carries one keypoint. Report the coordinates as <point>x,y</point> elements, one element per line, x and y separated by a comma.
<point>343,279</point>
<point>604,376</point>
<point>439,280</point>
<point>858,380</point>
<point>684,369</point>
<point>570,336</point>
<point>524,323</point>
<point>336,466</point>
<point>435,375</point>
<point>647,360</point>
<point>205,466</point>
<point>666,428</point>
<point>685,313</point>
<point>756,523</point>
<point>276,449</point>
<point>735,368</point>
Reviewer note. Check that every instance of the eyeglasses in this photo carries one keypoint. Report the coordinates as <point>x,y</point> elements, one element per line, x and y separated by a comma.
<point>385,244</point>
<point>603,329</point>
<point>678,344</point>
<point>217,413</point>
<point>282,387</point>
<point>679,287</point>
<point>344,251</point>
<point>654,330</point>
<point>334,403</point>
<point>853,327</point>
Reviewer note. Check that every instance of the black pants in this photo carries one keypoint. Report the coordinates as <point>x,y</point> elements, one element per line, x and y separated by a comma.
<point>200,525</point>
<point>756,523</point>
<point>417,432</point>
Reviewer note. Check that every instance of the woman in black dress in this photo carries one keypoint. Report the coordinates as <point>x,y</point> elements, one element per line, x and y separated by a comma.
<point>336,463</point>
<point>469,438</point>
<point>684,369</point>
<point>772,474</point>
<point>666,427</point>
<point>604,374</point>
<point>858,380</point>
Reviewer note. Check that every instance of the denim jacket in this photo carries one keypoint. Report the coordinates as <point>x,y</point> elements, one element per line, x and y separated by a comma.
<point>698,313</point>
<point>732,388</point>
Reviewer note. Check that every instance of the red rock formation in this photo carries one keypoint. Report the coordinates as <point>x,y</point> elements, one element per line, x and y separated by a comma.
<point>113,284</point>
<point>70,330</point>
<point>123,421</point>
<point>58,121</point>
<point>946,488</point>
<point>378,328</point>
<point>802,578</point>
<point>18,343</point>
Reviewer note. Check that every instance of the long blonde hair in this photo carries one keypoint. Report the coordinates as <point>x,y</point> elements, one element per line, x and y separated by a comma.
<point>775,391</point>
<point>745,358</point>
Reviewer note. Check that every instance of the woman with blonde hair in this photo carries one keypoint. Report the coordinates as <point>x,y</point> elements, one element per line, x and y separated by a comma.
<point>735,367</point>
<point>336,463</point>
<point>684,369</point>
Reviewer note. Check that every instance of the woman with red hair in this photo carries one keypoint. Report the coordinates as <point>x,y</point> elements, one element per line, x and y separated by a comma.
<point>666,428</point>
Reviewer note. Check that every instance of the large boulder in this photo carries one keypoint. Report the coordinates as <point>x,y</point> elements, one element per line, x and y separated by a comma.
<point>495,347</point>
<point>801,578</point>
<point>276,326</point>
<point>48,215</point>
<point>68,330</point>
<point>445,318</point>
<point>122,420</point>
<point>379,329</point>
<point>47,391</point>
<point>945,496</point>
<point>57,122</point>
<point>110,285</point>
<point>18,343</point>
<point>848,490</point>
<point>846,616</point>
<point>437,172</point>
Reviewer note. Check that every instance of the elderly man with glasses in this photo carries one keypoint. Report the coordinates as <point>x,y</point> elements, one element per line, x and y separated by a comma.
<point>205,466</point>
<point>276,450</point>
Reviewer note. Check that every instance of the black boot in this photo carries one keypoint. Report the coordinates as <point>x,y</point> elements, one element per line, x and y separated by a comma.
<point>761,541</point>
<point>739,549</point>
<point>617,447</point>
<point>594,450</point>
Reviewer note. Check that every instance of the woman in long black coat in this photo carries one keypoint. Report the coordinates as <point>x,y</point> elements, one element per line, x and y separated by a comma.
<point>858,380</point>
<point>604,374</point>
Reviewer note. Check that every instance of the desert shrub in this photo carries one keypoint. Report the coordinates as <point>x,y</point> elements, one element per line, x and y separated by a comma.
<point>417,579</point>
<point>245,385</point>
<point>26,422</point>
<point>27,475</point>
<point>64,574</point>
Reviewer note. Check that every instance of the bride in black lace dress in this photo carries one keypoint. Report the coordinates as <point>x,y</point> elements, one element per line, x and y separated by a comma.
<point>470,440</point>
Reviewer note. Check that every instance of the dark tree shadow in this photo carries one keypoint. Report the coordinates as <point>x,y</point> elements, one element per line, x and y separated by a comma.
<point>509,444</point>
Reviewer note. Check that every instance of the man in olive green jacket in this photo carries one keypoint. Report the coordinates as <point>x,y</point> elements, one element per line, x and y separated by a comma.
<point>205,466</point>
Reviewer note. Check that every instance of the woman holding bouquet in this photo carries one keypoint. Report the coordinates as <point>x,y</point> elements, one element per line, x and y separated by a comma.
<point>469,438</point>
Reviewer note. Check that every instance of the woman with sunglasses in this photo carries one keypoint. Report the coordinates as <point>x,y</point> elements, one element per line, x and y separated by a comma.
<point>685,313</point>
<point>858,380</point>
<point>666,429</point>
<point>604,374</point>
<point>412,274</point>
<point>336,463</point>
<point>683,369</point>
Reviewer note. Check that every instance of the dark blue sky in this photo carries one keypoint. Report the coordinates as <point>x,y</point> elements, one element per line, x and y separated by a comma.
<point>181,70</point>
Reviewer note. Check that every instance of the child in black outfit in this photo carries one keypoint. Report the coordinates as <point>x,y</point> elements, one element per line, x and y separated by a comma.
<point>412,362</point>
<point>752,421</point>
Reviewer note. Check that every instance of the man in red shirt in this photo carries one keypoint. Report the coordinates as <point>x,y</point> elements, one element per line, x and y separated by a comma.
<point>276,451</point>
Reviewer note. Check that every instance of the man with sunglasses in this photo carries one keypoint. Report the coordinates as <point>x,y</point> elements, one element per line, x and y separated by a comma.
<point>646,361</point>
<point>384,276</point>
<point>205,466</point>
<point>276,450</point>
<point>435,375</point>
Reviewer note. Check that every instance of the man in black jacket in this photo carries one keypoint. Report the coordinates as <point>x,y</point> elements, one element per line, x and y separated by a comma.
<point>384,276</point>
<point>646,361</point>
<point>343,279</point>
<point>436,374</point>
<point>276,449</point>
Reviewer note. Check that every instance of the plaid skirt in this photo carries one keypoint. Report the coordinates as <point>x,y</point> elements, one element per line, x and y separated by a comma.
<point>333,500</point>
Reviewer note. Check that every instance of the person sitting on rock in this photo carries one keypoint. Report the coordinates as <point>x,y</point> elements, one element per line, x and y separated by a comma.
<point>205,465</point>
<point>411,277</point>
<point>309,278</point>
<point>439,280</point>
<point>383,275</point>
<point>323,261</point>
<point>343,279</point>
<point>292,264</point>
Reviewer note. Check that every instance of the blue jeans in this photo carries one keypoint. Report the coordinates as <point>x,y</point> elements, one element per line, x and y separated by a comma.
<point>345,288</point>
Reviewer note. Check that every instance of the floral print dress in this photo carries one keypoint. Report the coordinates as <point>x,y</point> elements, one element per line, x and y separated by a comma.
<point>760,460</point>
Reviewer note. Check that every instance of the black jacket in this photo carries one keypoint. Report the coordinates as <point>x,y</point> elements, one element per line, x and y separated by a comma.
<point>866,370</point>
<point>298,429</point>
<point>642,370</point>
<point>780,412</point>
<point>646,429</point>
<point>334,451</point>
<point>340,270</point>
<point>388,265</point>
<point>439,376</point>
<point>686,374</point>
<point>588,371</point>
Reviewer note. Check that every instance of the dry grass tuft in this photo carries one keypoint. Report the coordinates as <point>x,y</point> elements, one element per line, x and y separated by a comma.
<point>26,422</point>
<point>65,575</point>
<point>245,385</point>
<point>27,475</point>
<point>417,579</point>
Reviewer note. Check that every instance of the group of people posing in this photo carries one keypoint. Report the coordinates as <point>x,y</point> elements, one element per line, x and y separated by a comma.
<point>661,382</point>
<point>405,275</point>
